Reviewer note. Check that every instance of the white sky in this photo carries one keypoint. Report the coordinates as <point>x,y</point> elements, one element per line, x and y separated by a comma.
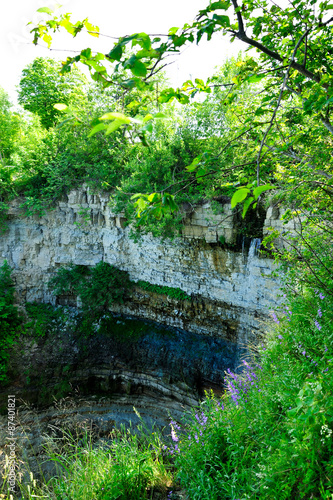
<point>115,18</point>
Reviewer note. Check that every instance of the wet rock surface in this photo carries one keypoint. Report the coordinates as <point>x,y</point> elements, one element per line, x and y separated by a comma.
<point>133,357</point>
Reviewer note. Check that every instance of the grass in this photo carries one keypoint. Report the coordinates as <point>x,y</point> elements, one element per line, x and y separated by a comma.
<point>131,464</point>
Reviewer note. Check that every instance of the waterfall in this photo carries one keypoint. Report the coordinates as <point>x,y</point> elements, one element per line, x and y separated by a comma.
<point>253,250</point>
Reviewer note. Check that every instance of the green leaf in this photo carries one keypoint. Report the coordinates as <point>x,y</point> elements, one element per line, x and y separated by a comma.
<point>148,127</point>
<point>94,30</point>
<point>47,39</point>
<point>46,10</point>
<point>137,195</point>
<point>97,128</point>
<point>130,84</point>
<point>151,197</point>
<point>219,5</point>
<point>246,205</point>
<point>148,117</point>
<point>141,203</point>
<point>194,164</point>
<point>260,189</point>
<point>60,106</point>
<point>86,53</point>
<point>255,78</point>
<point>239,196</point>
<point>222,20</point>
<point>143,40</point>
<point>114,126</point>
<point>116,52</point>
<point>115,116</point>
<point>173,31</point>
<point>139,69</point>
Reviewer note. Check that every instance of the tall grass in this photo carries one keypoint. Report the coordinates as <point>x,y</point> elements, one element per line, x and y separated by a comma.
<point>131,465</point>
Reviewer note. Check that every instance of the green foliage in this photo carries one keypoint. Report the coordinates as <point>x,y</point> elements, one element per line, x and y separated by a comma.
<point>97,287</point>
<point>10,322</point>
<point>306,259</point>
<point>42,86</point>
<point>9,128</point>
<point>271,436</point>
<point>44,319</point>
<point>132,467</point>
<point>175,293</point>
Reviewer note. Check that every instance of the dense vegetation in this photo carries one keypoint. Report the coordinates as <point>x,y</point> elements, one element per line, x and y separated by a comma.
<point>10,320</point>
<point>264,127</point>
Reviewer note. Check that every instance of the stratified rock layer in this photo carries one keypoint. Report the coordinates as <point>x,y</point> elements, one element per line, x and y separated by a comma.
<point>232,291</point>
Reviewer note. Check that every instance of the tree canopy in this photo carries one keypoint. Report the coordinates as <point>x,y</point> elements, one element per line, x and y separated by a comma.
<point>42,86</point>
<point>293,43</point>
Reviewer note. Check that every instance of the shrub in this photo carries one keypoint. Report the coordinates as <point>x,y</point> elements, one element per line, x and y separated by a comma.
<point>97,287</point>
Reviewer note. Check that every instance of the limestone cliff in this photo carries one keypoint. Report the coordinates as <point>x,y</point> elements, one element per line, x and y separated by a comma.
<point>232,291</point>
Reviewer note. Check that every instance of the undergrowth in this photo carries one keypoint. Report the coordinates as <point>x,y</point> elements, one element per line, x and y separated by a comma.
<point>270,437</point>
<point>130,465</point>
<point>10,321</point>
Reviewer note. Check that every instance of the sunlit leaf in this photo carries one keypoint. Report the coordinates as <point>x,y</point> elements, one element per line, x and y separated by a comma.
<point>114,116</point>
<point>114,126</point>
<point>47,10</point>
<point>60,106</point>
<point>97,128</point>
<point>239,196</point>
<point>246,205</point>
<point>261,189</point>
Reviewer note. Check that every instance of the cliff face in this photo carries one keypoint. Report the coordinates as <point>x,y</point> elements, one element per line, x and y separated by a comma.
<point>230,285</point>
<point>232,290</point>
<point>158,368</point>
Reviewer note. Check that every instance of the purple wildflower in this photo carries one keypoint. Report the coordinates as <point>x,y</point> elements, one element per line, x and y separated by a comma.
<point>204,418</point>
<point>320,313</point>
<point>280,337</point>
<point>174,435</point>
<point>275,318</point>
<point>317,325</point>
<point>321,296</point>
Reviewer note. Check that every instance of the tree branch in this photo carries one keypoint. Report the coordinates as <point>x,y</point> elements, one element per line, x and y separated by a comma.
<point>279,102</point>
